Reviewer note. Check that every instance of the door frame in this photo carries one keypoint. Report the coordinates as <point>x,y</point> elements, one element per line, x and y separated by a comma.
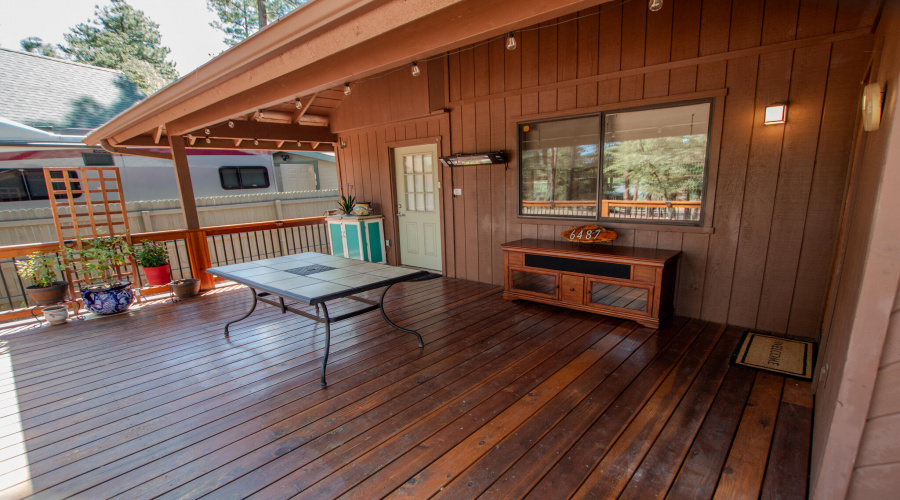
<point>395,232</point>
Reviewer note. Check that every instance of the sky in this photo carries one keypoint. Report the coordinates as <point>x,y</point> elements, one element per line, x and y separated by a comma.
<point>183,24</point>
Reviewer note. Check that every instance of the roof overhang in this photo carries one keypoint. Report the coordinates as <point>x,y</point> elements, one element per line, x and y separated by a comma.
<point>313,49</point>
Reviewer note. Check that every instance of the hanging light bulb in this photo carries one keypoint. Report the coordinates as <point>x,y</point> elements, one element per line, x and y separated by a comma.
<point>208,141</point>
<point>347,88</point>
<point>299,144</point>
<point>298,103</point>
<point>206,131</point>
<point>511,41</point>
<point>230,124</point>
<point>415,69</point>
<point>255,142</point>
<point>655,5</point>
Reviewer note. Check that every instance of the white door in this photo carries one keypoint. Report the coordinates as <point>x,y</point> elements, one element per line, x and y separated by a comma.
<point>298,177</point>
<point>418,206</point>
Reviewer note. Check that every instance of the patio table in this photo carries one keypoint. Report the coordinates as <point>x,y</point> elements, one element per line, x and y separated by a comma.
<point>314,279</point>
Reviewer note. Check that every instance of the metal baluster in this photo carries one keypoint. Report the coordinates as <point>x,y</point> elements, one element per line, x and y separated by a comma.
<point>6,287</point>
<point>178,260</point>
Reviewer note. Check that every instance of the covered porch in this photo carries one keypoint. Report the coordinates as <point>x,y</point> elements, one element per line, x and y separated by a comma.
<point>507,399</point>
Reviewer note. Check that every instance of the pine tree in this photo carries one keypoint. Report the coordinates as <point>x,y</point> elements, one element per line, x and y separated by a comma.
<point>121,37</point>
<point>239,19</point>
<point>36,45</point>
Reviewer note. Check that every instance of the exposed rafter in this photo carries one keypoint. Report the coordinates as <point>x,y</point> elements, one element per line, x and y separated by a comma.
<point>226,143</point>
<point>303,109</point>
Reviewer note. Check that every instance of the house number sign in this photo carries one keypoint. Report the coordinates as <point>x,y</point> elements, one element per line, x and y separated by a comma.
<point>589,234</point>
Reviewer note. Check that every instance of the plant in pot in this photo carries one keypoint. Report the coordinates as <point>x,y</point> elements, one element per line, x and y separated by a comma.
<point>346,202</point>
<point>154,258</point>
<point>41,269</point>
<point>101,259</point>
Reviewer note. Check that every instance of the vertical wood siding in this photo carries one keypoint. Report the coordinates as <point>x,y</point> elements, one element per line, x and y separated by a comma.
<point>779,190</point>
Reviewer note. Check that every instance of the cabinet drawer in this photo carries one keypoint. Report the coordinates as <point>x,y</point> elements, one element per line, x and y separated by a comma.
<point>572,289</point>
<point>516,258</point>
<point>643,274</point>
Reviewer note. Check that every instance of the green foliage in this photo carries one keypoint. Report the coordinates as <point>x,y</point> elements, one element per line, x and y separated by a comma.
<point>345,204</point>
<point>36,45</point>
<point>151,254</point>
<point>101,259</point>
<point>661,168</point>
<point>239,19</point>
<point>39,268</point>
<point>121,37</point>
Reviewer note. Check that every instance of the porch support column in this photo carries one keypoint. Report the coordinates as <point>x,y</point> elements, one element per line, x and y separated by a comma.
<point>185,187</point>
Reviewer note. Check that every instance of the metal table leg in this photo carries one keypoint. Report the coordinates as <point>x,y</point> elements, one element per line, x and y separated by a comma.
<point>384,315</point>
<point>252,308</point>
<point>327,341</point>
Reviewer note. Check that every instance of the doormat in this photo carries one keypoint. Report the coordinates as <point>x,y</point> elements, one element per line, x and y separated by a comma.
<point>792,358</point>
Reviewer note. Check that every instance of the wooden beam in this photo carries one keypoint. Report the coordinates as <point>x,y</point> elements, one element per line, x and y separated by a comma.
<point>302,111</point>
<point>185,187</point>
<point>269,131</point>
<point>158,134</point>
<point>240,143</point>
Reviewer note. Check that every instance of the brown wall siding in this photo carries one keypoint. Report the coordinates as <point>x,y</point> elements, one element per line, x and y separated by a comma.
<point>779,190</point>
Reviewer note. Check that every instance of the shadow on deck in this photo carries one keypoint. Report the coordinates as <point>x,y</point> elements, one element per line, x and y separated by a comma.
<point>507,399</point>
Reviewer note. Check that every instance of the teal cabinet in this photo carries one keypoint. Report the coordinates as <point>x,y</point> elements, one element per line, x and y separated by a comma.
<point>360,238</point>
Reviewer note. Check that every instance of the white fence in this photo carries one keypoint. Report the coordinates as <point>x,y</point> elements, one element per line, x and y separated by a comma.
<point>35,225</point>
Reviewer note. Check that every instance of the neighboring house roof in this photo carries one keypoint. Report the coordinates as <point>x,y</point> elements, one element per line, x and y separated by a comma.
<point>17,137</point>
<point>45,92</point>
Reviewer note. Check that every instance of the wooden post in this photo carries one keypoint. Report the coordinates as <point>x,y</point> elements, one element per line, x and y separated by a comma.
<point>198,255</point>
<point>185,187</point>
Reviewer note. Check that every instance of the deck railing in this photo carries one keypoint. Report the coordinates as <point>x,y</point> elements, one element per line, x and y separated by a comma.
<point>191,252</point>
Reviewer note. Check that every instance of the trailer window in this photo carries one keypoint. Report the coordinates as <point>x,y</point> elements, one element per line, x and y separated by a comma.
<point>27,184</point>
<point>244,177</point>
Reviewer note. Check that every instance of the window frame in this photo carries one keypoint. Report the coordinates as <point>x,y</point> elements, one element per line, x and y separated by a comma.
<point>714,143</point>
<point>72,174</point>
<point>238,169</point>
<point>601,179</point>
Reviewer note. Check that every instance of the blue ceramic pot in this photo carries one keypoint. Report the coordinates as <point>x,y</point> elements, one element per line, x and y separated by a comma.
<point>108,300</point>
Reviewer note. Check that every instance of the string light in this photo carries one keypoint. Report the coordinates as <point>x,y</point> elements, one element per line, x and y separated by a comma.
<point>230,124</point>
<point>208,141</point>
<point>655,5</point>
<point>415,69</point>
<point>298,103</point>
<point>299,144</point>
<point>206,131</point>
<point>347,88</point>
<point>511,41</point>
<point>255,142</point>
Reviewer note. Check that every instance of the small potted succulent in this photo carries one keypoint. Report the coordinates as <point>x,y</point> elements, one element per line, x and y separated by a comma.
<point>41,269</point>
<point>101,258</point>
<point>154,258</point>
<point>345,204</point>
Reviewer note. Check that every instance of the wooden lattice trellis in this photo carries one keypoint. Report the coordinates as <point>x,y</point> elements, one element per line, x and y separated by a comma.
<point>87,202</point>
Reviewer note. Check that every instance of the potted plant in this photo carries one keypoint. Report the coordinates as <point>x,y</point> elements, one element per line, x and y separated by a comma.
<point>154,258</point>
<point>101,258</point>
<point>41,269</point>
<point>345,204</point>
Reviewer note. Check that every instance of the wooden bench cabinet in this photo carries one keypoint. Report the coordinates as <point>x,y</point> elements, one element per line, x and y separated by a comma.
<point>630,283</point>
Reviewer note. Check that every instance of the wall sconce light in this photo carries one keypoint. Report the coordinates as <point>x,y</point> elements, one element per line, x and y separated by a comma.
<point>415,69</point>
<point>871,107</point>
<point>511,41</point>
<point>655,5</point>
<point>775,114</point>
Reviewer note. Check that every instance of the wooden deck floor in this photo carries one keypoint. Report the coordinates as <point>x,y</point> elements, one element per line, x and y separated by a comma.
<point>506,400</point>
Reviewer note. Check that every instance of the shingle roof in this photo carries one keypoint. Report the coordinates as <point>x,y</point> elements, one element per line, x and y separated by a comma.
<point>40,91</point>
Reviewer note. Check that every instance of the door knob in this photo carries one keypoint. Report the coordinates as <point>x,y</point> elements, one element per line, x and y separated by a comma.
<point>400,214</point>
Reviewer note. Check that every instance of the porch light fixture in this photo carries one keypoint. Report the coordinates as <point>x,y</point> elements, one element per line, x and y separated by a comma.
<point>871,107</point>
<point>655,5</point>
<point>463,159</point>
<point>347,88</point>
<point>415,69</point>
<point>775,114</point>
<point>511,41</point>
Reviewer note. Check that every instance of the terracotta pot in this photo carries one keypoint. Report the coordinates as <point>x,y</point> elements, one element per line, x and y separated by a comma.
<point>56,315</point>
<point>110,300</point>
<point>50,295</point>
<point>158,276</point>
<point>185,288</point>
